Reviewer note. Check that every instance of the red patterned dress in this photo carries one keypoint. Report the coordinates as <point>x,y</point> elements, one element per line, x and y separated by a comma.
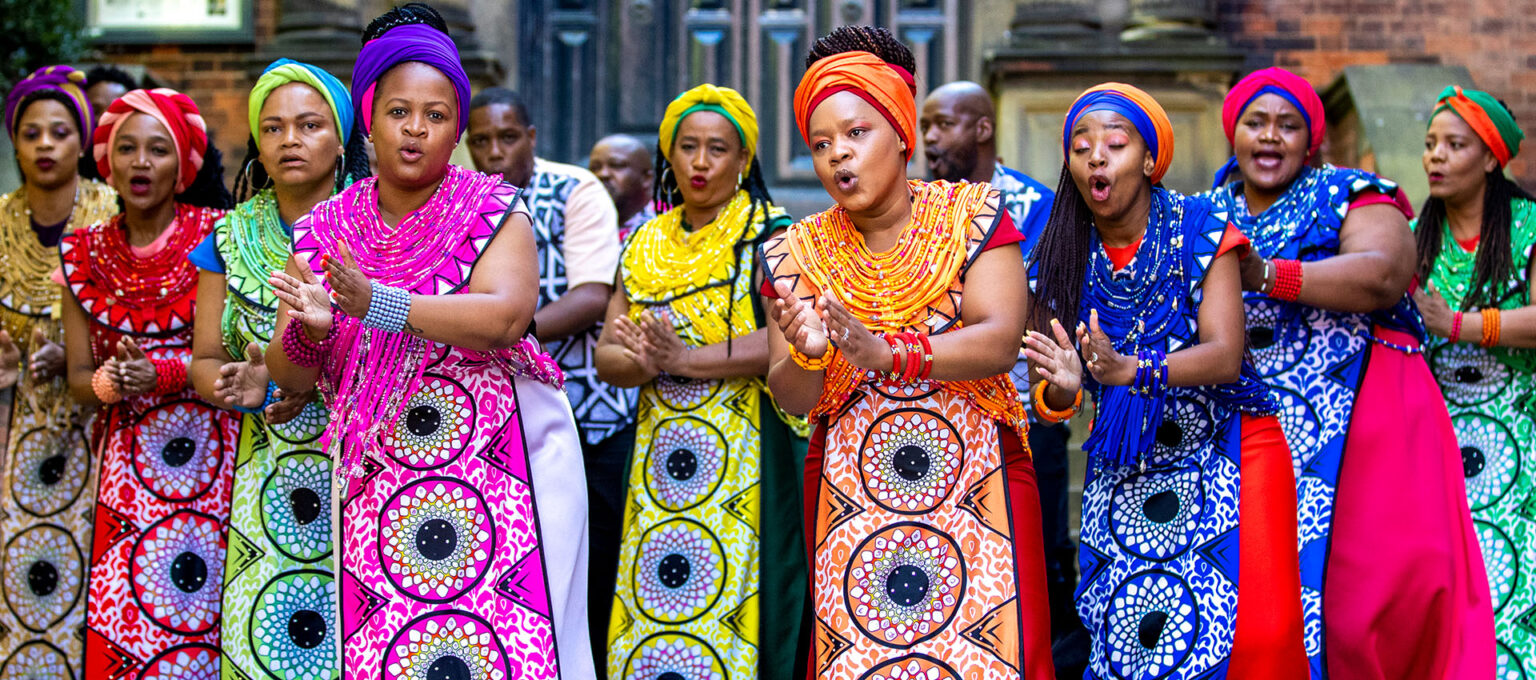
<point>157,554</point>
<point>921,499</point>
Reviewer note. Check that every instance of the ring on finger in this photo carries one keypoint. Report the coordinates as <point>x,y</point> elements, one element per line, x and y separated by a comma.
<point>1094,358</point>
<point>845,335</point>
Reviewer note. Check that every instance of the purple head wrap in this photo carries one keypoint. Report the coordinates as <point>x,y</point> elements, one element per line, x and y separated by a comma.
<point>61,78</point>
<point>411,42</point>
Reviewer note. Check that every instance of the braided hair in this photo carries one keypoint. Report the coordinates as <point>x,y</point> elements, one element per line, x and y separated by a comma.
<point>1061,258</point>
<point>87,163</point>
<point>872,39</point>
<point>253,177</point>
<point>409,13</point>
<point>1494,267</point>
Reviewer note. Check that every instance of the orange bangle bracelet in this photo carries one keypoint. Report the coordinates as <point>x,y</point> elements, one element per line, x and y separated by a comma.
<point>1045,411</point>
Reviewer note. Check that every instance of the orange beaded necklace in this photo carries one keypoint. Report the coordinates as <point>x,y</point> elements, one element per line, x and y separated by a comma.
<point>892,290</point>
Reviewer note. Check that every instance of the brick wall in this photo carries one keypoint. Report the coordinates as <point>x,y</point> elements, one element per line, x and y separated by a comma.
<point>217,77</point>
<point>1494,39</point>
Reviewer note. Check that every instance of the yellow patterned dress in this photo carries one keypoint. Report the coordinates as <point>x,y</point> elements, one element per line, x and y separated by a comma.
<point>49,477</point>
<point>712,512</point>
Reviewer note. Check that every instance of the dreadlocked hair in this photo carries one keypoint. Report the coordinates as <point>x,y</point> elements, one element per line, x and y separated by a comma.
<point>253,177</point>
<point>1495,262</point>
<point>207,189</point>
<point>1062,258</point>
<point>409,13</point>
<point>872,39</point>
<point>86,166</point>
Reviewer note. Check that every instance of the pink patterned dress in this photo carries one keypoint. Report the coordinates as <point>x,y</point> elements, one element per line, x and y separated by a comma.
<point>463,523</point>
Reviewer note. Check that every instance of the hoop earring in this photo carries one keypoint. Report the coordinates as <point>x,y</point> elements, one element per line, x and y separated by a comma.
<point>662,181</point>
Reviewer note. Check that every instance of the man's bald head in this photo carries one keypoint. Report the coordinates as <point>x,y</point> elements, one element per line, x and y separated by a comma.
<point>957,125</point>
<point>623,164</point>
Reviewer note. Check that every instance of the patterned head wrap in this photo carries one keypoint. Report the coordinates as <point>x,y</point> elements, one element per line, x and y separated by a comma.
<point>176,111</point>
<point>61,78</point>
<point>411,42</point>
<point>887,87</point>
<point>1140,108</point>
<point>284,71</point>
<point>1287,86</point>
<point>721,100</point>
<point>1488,118</point>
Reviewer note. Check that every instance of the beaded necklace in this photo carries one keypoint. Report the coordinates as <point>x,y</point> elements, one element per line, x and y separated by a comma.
<point>1139,304</point>
<point>261,243</point>
<point>25,263</point>
<point>1453,270</point>
<point>664,261</point>
<point>892,289</point>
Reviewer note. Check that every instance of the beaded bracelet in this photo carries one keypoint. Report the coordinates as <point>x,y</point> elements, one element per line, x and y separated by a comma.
<point>927,356</point>
<point>302,351</point>
<point>265,402</point>
<point>1046,413</point>
<point>914,362</point>
<point>1491,326</point>
<point>1456,327</point>
<point>806,362</point>
<point>105,389</point>
<point>170,375</point>
<point>1151,373</point>
<point>1287,280</point>
<point>896,349</point>
<point>388,308</point>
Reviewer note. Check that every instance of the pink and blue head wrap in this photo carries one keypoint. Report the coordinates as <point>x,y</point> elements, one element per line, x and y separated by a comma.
<point>1287,86</point>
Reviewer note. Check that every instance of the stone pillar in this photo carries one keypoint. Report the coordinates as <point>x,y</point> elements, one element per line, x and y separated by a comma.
<point>326,33</point>
<point>1171,19</point>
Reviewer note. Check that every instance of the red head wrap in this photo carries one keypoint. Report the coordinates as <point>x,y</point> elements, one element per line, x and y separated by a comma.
<point>887,87</point>
<point>1291,87</point>
<point>175,111</point>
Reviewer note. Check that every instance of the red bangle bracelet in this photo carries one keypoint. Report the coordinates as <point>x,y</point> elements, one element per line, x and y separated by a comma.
<point>1456,327</point>
<point>927,356</point>
<point>914,359</point>
<point>170,375</point>
<point>1287,280</point>
<point>895,355</point>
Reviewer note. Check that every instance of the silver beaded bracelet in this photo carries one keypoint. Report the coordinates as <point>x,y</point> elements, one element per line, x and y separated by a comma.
<point>388,308</point>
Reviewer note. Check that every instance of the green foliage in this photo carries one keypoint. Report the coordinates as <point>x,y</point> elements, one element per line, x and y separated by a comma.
<point>37,33</point>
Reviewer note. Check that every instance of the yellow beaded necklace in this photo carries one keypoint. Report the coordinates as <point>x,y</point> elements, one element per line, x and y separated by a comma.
<point>663,261</point>
<point>25,263</point>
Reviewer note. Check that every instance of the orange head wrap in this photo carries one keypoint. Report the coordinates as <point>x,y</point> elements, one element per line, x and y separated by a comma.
<point>1149,118</point>
<point>887,87</point>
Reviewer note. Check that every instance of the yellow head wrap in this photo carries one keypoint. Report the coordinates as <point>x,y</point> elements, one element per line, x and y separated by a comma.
<point>721,100</point>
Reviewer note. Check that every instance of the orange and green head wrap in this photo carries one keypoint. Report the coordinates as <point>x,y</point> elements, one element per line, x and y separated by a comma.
<point>887,87</point>
<point>721,100</point>
<point>1487,117</point>
<point>1149,118</point>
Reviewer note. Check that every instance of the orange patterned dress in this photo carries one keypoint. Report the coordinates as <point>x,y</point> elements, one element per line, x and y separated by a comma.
<point>925,551</point>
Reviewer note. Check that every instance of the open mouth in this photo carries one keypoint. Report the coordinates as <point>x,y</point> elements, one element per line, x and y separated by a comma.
<point>291,161</point>
<point>139,185</point>
<point>1098,187</point>
<point>1268,160</point>
<point>846,180</point>
<point>1436,177</point>
<point>410,153</point>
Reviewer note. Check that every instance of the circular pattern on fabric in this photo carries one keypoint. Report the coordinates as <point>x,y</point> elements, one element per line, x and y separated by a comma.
<point>451,645</point>
<point>436,538</point>
<point>1299,420</point>
<point>680,573</point>
<point>36,660</point>
<point>178,449</point>
<point>673,656</point>
<point>434,426</point>
<point>177,570</point>
<point>44,576</point>
<point>1490,458</point>
<point>49,470</point>
<point>1468,375</point>
<point>1188,425</point>
<point>1501,561</point>
<point>296,506</point>
<point>914,667</point>
<point>684,394</point>
<point>1272,353</point>
<point>1155,515</point>
<point>306,427</point>
<point>899,391</point>
<point>1151,625</point>
<point>292,626</point>
<point>910,461</point>
<point>1507,664</point>
<point>686,463</point>
<point>187,662</point>
<point>904,584</point>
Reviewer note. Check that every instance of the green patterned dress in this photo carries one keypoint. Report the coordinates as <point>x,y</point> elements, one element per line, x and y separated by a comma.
<point>280,614</point>
<point>1491,394</point>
